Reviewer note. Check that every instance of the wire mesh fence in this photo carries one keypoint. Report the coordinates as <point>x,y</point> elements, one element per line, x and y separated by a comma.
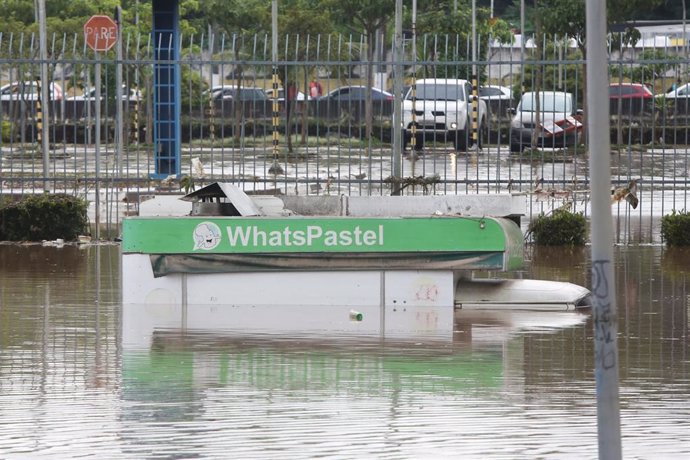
<point>334,136</point>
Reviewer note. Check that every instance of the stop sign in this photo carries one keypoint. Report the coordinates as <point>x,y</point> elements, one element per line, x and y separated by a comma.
<point>100,33</point>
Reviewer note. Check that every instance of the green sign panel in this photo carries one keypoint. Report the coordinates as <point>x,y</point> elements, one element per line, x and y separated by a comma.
<point>233,235</point>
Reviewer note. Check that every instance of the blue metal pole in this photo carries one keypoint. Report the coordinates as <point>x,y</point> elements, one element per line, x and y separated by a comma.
<point>166,88</point>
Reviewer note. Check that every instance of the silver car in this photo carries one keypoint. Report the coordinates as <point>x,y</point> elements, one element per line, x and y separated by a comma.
<point>556,126</point>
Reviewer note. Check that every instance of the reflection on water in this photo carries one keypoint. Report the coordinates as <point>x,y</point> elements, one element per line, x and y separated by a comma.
<point>79,376</point>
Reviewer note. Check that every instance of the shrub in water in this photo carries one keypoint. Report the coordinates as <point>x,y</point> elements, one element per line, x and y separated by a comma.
<point>675,228</point>
<point>560,228</point>
<point>43,217</point>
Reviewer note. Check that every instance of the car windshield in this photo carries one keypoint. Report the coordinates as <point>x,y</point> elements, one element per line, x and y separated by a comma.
<point>245,94</point>
<point>548,102</point>
<point>20,88</point>
<point>251,94</point>
<point>440,92</point>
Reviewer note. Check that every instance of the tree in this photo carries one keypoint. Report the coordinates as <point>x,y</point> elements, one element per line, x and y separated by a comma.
<point>444,18</point>
<point>369,17</point>
<point>567,18</point>
<point>299,19</point>
<point>233,17</point>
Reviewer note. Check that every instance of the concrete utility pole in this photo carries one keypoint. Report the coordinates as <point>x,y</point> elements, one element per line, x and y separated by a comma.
<point>475,79</point>
<point>119,99</point>
<point>603,281</point>
<point>45,86</point>
<point>397,99</point>
<point>522,45</point>
<point>685,43</point>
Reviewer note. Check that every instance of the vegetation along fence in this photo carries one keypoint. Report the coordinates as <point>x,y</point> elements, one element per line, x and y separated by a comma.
<point>335,139</point>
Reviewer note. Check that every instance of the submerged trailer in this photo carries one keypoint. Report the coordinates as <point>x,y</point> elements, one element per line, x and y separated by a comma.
<point>363,263</point>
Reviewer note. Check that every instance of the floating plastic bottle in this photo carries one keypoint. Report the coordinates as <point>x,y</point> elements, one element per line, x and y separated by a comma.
<point>356,316</point>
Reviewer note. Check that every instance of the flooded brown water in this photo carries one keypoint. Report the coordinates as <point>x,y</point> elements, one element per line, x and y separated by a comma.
<point>511,385</point>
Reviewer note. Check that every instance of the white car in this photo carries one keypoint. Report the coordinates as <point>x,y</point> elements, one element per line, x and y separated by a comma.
<point>28,91</point>
<point>557,127</point>
<point>281,95</point>
<point>682,91</point>
<point>131,94</point>
<point>442,111</point>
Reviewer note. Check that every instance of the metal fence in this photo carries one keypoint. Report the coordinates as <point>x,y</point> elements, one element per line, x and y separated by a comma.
<point>326,145</point>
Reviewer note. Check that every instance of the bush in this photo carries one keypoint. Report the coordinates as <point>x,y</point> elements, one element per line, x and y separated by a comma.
<point>560,228</point>
<point>43,217</point>
<point>6,131</point>
<point>675,228</point>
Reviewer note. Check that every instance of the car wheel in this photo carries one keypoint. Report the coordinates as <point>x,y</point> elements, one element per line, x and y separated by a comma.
<point>515,147</point>
<point>460,141</point>
<point>419,142</point>
<point>483,134</point>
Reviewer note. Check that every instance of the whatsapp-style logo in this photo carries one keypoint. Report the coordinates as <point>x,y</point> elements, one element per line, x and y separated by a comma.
<point>206,236</point>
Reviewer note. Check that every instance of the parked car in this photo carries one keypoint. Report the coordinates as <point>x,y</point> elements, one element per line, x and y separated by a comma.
<point>629,91</point>
<point>128,94</point>
<point>682,91</point>
<point>630,99</point>
<point>281,95</point>
<point>498,100</point>
<point>355,94</point>
<point>349,102</point>
<point>28,91</point>
<point>559,123</point>
<point>442,111</point>
<point>495,93</point>
<point>244,94</point>
<point>676,100</point>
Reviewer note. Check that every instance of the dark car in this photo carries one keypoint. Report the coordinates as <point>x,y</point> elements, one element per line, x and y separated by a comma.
<point>350,101</point>
<point>630,99</point>
<point>253,101</point>
<point>242,94</point>
<point>355,94</point>
<point>498,100</point>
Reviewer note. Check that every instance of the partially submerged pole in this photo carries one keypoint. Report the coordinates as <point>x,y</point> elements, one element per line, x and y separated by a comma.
<point>118,94</point>
<point>397,99</point>
<point>603,282</point>
<point>44,91</point>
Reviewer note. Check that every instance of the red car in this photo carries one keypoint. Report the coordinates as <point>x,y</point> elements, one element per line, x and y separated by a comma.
<point>629,91</point>
<point>630,99</point>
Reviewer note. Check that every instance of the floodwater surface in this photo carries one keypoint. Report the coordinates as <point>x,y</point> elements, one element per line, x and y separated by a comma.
<point>78,381</point>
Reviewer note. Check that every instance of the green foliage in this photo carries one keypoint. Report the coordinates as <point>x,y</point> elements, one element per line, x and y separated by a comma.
<point>567,17</point>
<point>6,130</point>
<point>560,228</point>
<point>43,217</point>
<point>567,77</point>
<point>675,228</point>
<point>652,63</point>
<point>193,88</point>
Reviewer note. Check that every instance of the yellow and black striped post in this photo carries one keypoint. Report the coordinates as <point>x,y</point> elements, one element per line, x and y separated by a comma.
<point>211,117</point>
<point>135,121</point>
<point>39,115</point>
<point>475,111</point>
<point>275,112</point>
